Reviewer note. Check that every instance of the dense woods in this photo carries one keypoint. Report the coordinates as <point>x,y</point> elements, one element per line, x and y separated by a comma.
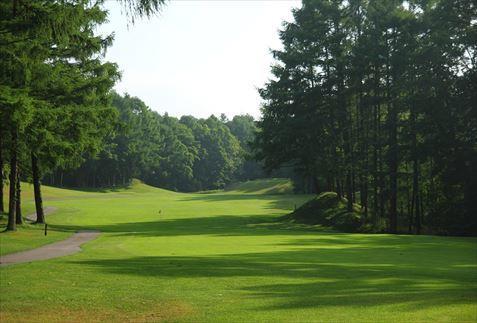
<point>376,100</point>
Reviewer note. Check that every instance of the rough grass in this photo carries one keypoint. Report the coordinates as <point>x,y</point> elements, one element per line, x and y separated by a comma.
<point>166,256</point>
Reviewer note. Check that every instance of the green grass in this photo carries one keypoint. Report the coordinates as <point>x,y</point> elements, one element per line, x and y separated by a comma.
<point>27,237</point>
<point>269,186</point>
<point>225,257</point>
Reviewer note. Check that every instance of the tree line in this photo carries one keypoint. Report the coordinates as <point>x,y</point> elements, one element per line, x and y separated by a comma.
<point>376,100</point>
<point>182,154</point>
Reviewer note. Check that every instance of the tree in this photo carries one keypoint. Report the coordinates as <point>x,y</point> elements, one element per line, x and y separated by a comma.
<point>244,128</point>
<point>372,96</point>
<point>50,55</point>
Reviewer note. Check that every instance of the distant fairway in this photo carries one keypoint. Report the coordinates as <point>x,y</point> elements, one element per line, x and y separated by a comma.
<point>165,256</point>
<point>263,186</point>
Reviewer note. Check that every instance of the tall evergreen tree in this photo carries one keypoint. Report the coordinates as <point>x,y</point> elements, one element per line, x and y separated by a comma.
<point>372,96</point>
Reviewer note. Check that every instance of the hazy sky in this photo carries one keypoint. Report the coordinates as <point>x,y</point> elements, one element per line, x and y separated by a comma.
<point>198,57</point>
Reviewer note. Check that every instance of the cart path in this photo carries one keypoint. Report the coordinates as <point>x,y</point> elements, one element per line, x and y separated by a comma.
<point>53,250</point>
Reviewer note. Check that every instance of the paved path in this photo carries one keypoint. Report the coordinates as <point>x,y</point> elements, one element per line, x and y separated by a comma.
<point>53,250</point>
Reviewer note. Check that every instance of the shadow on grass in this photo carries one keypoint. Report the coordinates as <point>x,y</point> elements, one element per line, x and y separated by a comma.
<point>281,202</point>
<point>313,269</point>
<point>333,279</point>
<point>225,225</point>
<point>250,224</point>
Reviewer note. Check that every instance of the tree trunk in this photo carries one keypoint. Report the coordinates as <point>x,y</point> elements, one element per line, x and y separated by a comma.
<point>410,201</point>
<point>2,206</point>
<point>12,226</point>
<point>393,148</point>
<point>415,171</point>
<point>338,188</point>
<point>393,168</point>
<point>18,206</point>
<point>349,193</point>
<point>415,185</point>
<point>40,215</point>
<point>375,169</point>
<point>329,183</point>
<point>316,185</point>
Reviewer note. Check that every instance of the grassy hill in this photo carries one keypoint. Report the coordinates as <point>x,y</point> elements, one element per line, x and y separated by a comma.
<point>328,210</point>
<point>262,186</point>
<point>225,256</point>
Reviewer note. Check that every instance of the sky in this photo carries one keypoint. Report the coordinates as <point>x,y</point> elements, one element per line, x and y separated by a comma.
<point>198,57</point>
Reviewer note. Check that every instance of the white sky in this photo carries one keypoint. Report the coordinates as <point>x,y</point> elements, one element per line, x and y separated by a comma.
<point>198,57</point>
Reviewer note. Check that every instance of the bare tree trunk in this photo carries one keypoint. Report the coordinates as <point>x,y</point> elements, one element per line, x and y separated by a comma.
<point>393,148</point>
<point>415,171</point>
<point>415,185</point>
<point>2,206</point>
<point>329,183</point>
<point>18,206</point>
<point>40,215</point>
<point>410,201</point>
<point>349,193</point>
<point>12,226</point>
<point>338,188</point>
<point>375,169</point>
<point>393,169</point>
<point>316,185</point>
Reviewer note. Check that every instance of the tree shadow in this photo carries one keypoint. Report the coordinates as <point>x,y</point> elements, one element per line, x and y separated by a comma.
<point>227,224</point>
<point>282,202</point>
<point>333,279</point>
<point>223,225</point>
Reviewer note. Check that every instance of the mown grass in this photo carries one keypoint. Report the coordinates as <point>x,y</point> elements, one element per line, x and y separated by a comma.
<point>262,186</point>
<point>167,256</point>
<point>27,236</point>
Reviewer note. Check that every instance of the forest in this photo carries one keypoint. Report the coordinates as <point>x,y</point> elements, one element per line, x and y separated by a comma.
<point>377,101</point>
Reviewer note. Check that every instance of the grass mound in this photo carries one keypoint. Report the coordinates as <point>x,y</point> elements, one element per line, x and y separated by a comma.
<point>328,210</point>
<point>267,186</point>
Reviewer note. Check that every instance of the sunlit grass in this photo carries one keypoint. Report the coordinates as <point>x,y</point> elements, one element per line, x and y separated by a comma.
<point>166,256</point>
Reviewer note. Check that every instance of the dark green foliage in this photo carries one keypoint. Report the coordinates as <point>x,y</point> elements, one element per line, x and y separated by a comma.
<point>54,85</point>
<point>186,154</point>
<point>244,128</point>
<point>375,100</point>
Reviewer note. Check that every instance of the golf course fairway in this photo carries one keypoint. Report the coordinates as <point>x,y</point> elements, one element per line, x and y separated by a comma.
<point>224,256</point>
